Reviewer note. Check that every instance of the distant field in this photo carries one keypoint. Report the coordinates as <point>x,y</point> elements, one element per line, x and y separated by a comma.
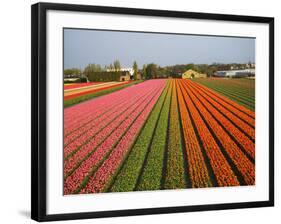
<point>241,91</point>
<point>78,90</point>
<point>77,93</point>
<point>68,86</point>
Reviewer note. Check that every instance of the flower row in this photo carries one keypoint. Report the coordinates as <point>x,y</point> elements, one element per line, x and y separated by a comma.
<point>99,133</point>
<point>81,114</point>
<point>103,176</point>
<point>198,172</point>
<point>243,164</point>
<point>223,173</point>
<point>101,146</point>
<point>127,178</point>
<point>86,132</point>
<point>240,137</point>
<point>175,169</point>
<point>235,108</point>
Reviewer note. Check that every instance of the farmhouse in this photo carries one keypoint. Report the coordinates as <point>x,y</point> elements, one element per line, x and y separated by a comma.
<point>125,76</point>
<point>125,73</point>
<point>190,74</point>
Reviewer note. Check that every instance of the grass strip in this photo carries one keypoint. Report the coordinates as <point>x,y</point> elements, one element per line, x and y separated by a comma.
<point>127,178</point>
<point>151,177</point>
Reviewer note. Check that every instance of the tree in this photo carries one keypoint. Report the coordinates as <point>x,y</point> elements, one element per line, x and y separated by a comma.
<point>189,66</point>
<point>151,71</point>
<point>72,72</point>
<point>91,69</point>
<point>135,68</point>
<point>117,65</point>
<point>111,67</point>
<point>144,74</point>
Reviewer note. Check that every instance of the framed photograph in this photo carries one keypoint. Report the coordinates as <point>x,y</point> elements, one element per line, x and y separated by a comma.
<point>140,111</point>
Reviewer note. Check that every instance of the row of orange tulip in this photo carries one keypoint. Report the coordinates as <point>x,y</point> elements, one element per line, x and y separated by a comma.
<point>220,166</point>
<point>243,164</point>
<point>197,168</point>
<point>244,113</point>
<point>244,141</point>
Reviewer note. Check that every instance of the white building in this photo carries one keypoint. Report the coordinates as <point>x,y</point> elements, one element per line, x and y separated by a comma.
<point>236,73</point>
<point>130,70</point>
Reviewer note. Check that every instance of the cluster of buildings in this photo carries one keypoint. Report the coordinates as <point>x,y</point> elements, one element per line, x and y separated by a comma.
<point>250,72</point>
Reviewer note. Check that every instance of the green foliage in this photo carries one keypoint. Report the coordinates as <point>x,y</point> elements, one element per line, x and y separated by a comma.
<point>105,76</point>
<point>127,177</point>
<point>111,67</point>
<point>72,72</point>
<point>189,66</point>
<point>116,65</point>
<point>135,68</point>
<point>144,74</point>
<point>83,79</point>
<point>92,68</point>
<point>151,71</point>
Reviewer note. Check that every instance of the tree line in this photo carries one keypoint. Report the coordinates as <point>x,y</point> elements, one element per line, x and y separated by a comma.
<point>148,71</point>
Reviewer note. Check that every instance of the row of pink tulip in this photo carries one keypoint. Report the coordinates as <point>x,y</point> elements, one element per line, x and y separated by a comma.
<point>88,106</point>
<point>98,122</point>
<point>99,149</point>
<point>99,180</point>
<point>88,117</point>
<point>87,114</point>
<point>98,130</point>
<point>84,112</point>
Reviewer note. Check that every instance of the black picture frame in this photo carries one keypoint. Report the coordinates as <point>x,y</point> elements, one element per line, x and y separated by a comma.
<point>38,110</point>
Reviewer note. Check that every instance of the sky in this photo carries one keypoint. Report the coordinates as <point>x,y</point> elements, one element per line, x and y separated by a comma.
<point>82,47</point>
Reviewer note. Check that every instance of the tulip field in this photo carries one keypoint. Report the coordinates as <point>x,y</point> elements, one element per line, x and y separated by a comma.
<point>160,134</point>
<point>241,91</point>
